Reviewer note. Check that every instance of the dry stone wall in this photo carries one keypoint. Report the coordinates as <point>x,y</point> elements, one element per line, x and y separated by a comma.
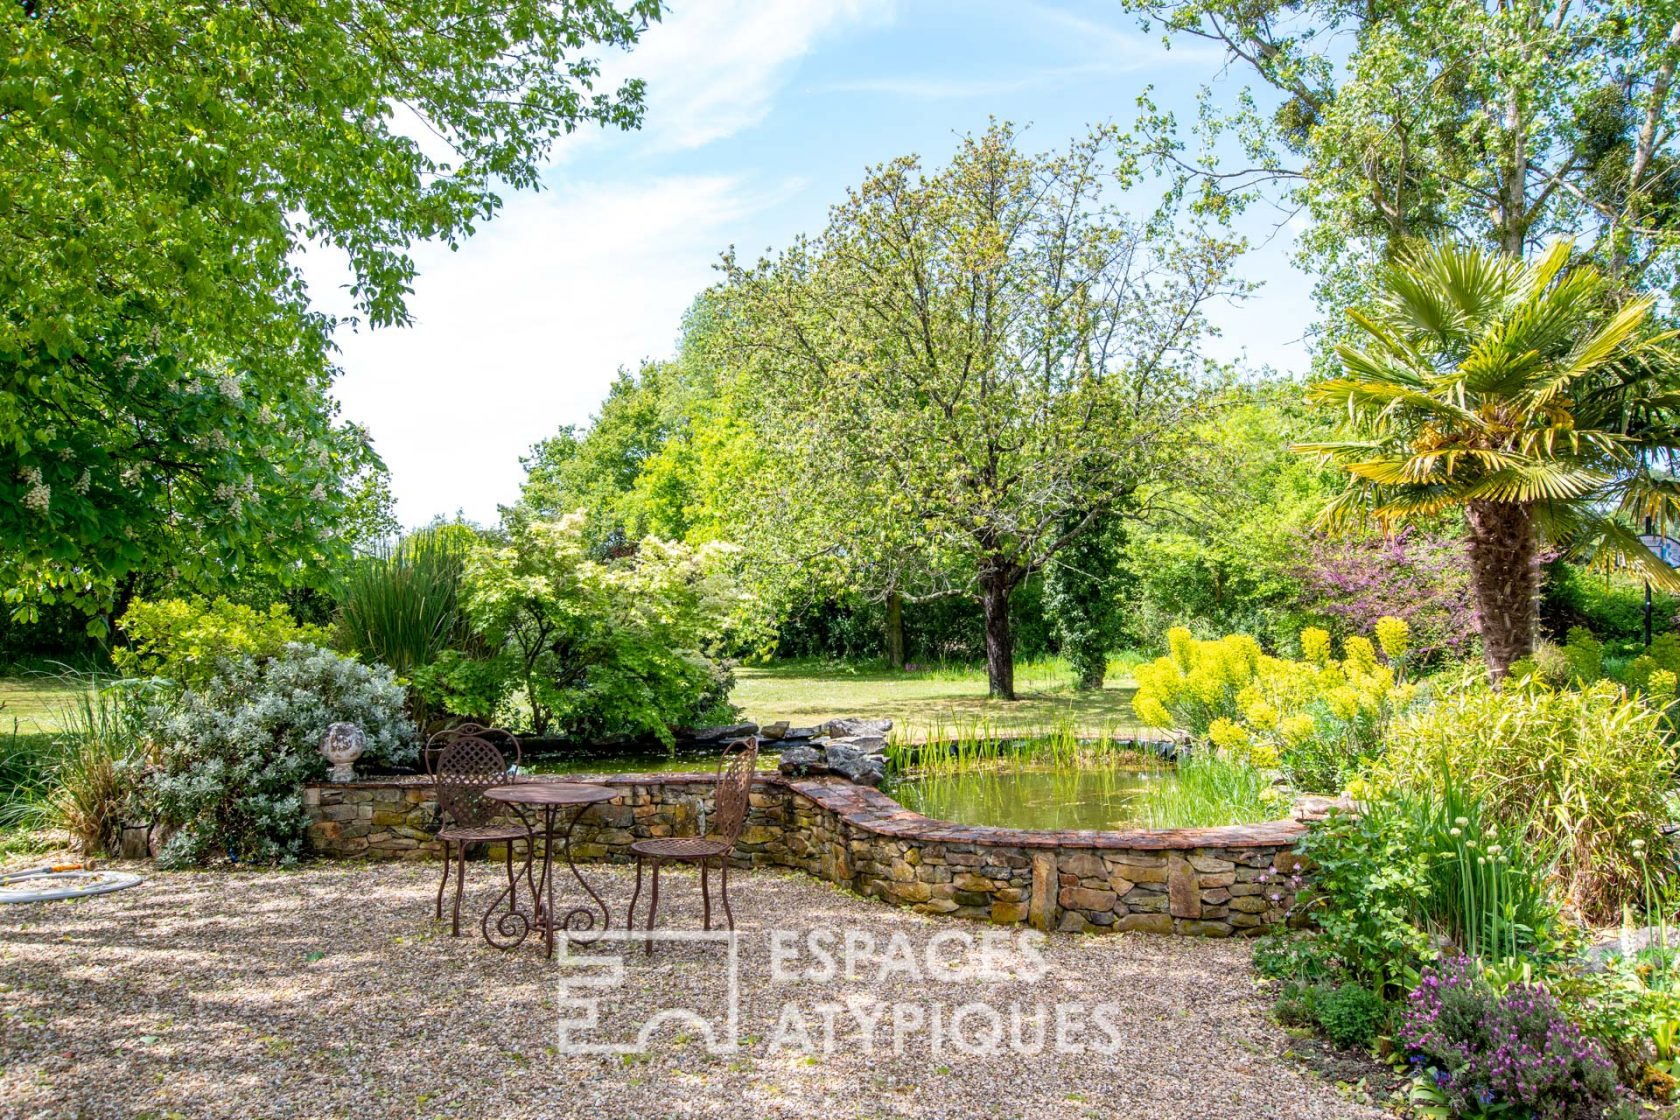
<point>1209,882</point>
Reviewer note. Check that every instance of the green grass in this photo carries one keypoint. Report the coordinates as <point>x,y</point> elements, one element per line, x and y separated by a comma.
<point>34,706</point>
<point>1211,790</point>
<point>808,692</point>
<point>36,702</point>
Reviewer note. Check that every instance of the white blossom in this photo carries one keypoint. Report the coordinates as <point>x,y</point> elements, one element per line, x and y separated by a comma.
<point>38,497</point>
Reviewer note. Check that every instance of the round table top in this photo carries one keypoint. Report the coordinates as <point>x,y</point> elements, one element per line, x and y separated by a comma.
<point>551,793</point>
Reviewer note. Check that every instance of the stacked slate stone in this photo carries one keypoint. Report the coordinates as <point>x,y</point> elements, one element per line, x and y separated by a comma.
<point>854,749</point>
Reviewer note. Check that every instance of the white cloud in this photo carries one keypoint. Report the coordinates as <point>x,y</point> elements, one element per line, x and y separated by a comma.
<point>713,67</point>
<point>522,330</point>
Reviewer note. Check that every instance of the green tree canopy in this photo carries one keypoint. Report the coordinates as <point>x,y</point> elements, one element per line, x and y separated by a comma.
<point>163,380</point>
<point>1509,122</point>
<point>965,358</point>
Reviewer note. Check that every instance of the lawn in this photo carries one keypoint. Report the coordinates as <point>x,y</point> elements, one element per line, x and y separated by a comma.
<point>803,692</point>
<point>33,703</point>
<point>808,692</point>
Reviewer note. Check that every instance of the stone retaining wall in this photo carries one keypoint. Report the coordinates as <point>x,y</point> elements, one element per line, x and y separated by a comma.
<point>1211,882</point>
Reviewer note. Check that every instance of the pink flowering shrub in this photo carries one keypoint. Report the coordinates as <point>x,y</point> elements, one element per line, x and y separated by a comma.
<point>1422,580</point>
<point>1478,1052</point>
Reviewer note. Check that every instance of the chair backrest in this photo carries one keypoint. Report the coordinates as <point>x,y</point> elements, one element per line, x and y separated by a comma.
<point>463,770</point>
<point>504,741</point>
<point>734,788</point>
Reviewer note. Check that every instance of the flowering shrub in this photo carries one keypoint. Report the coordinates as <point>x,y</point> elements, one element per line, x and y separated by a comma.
<point>1476,1052</point>
<point>181,640</point>
<point>1317,717</point>
<point>1419,580</point>
<point>235,752</point>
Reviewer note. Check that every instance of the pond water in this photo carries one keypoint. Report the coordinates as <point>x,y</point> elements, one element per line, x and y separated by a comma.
<point>1023,795</point>
<point>1009,792</point>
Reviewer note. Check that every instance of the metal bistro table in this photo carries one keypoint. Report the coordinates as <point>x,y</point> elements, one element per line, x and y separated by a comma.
<point>545,800</point>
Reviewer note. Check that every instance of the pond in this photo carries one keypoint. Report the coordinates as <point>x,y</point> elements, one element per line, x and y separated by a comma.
<point>1019,784</point>
<point>1028,795</point>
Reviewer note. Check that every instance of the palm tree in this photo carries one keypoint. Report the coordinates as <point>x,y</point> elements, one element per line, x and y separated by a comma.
<point>1523,394</point>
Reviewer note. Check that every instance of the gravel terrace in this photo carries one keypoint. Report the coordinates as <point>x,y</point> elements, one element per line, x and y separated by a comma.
<point>330,991</point>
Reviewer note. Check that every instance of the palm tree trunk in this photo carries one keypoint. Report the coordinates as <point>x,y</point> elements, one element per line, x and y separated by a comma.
<point>1505,578</point>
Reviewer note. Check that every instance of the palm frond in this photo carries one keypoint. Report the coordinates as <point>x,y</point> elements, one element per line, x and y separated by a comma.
<point>1605,344</point>
<point>1347,509</point>
<point>1609,545</point>
<point>1536,481</point>
<point>1543,269</point>
<point>1416,502</point>
<point>1645,496</point>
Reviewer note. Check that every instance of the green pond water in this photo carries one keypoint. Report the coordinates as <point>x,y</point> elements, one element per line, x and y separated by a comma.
<point>1028,796</point>
<point>1008,794</point>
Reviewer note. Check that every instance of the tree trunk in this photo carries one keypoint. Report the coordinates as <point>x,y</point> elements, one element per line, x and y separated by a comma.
<point>895,630</point>
<point>995,586</point>
<point>1505,578</point>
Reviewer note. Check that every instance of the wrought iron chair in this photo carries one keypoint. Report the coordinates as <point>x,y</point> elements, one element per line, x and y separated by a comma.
<point>464,762</point>
<point>729,815</point>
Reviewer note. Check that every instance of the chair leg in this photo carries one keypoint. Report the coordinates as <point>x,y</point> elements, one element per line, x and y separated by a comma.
<point>630,918</point>
<point>653,908</point>
<point>460,881</point>
<point>513,879</point>
<point>728,914</point>
<point>443,882</point>
<point>705,898</point>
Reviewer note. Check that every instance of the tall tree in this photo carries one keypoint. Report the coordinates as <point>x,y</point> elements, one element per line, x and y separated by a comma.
<point>972,367</point>
<point>1508,121</point>
<point>164,383</point>
<point>1524,395</point>
<point>1082,586</point>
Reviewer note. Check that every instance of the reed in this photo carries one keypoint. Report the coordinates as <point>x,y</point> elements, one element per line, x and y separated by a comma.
<point>100,762</point>
<point>978,745</point>
<point>1211,789</point>
<point>402,607</point>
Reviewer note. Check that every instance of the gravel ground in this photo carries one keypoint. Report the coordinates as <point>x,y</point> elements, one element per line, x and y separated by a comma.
<point>330,991</point>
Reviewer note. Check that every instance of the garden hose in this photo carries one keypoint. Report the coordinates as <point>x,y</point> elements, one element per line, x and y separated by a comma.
<point>62,880</point>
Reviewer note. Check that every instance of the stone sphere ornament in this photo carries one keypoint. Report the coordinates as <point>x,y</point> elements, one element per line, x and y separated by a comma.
<point>342,745</point>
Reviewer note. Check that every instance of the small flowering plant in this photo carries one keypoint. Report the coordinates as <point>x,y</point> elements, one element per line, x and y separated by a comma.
<point>1314,718</point>
<point>1475,1052</point>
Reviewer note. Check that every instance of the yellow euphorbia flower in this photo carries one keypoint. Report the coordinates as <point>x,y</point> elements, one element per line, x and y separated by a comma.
<point>1261,716</point>
<point>1359,652</point>
<point>1226,735</point>
<point>1297,729</point>
<point>1343,702</point>
<point>1393,635</point>
<point>1315,645</point>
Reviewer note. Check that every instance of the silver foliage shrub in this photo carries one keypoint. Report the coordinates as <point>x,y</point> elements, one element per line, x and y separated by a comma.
<point>235,752</point>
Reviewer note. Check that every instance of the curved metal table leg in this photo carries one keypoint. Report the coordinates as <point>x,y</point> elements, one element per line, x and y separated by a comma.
<point>582,912</point>
<point>511,928</point>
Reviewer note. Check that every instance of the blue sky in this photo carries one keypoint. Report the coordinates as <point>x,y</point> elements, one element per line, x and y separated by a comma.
<point>760,114</point>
